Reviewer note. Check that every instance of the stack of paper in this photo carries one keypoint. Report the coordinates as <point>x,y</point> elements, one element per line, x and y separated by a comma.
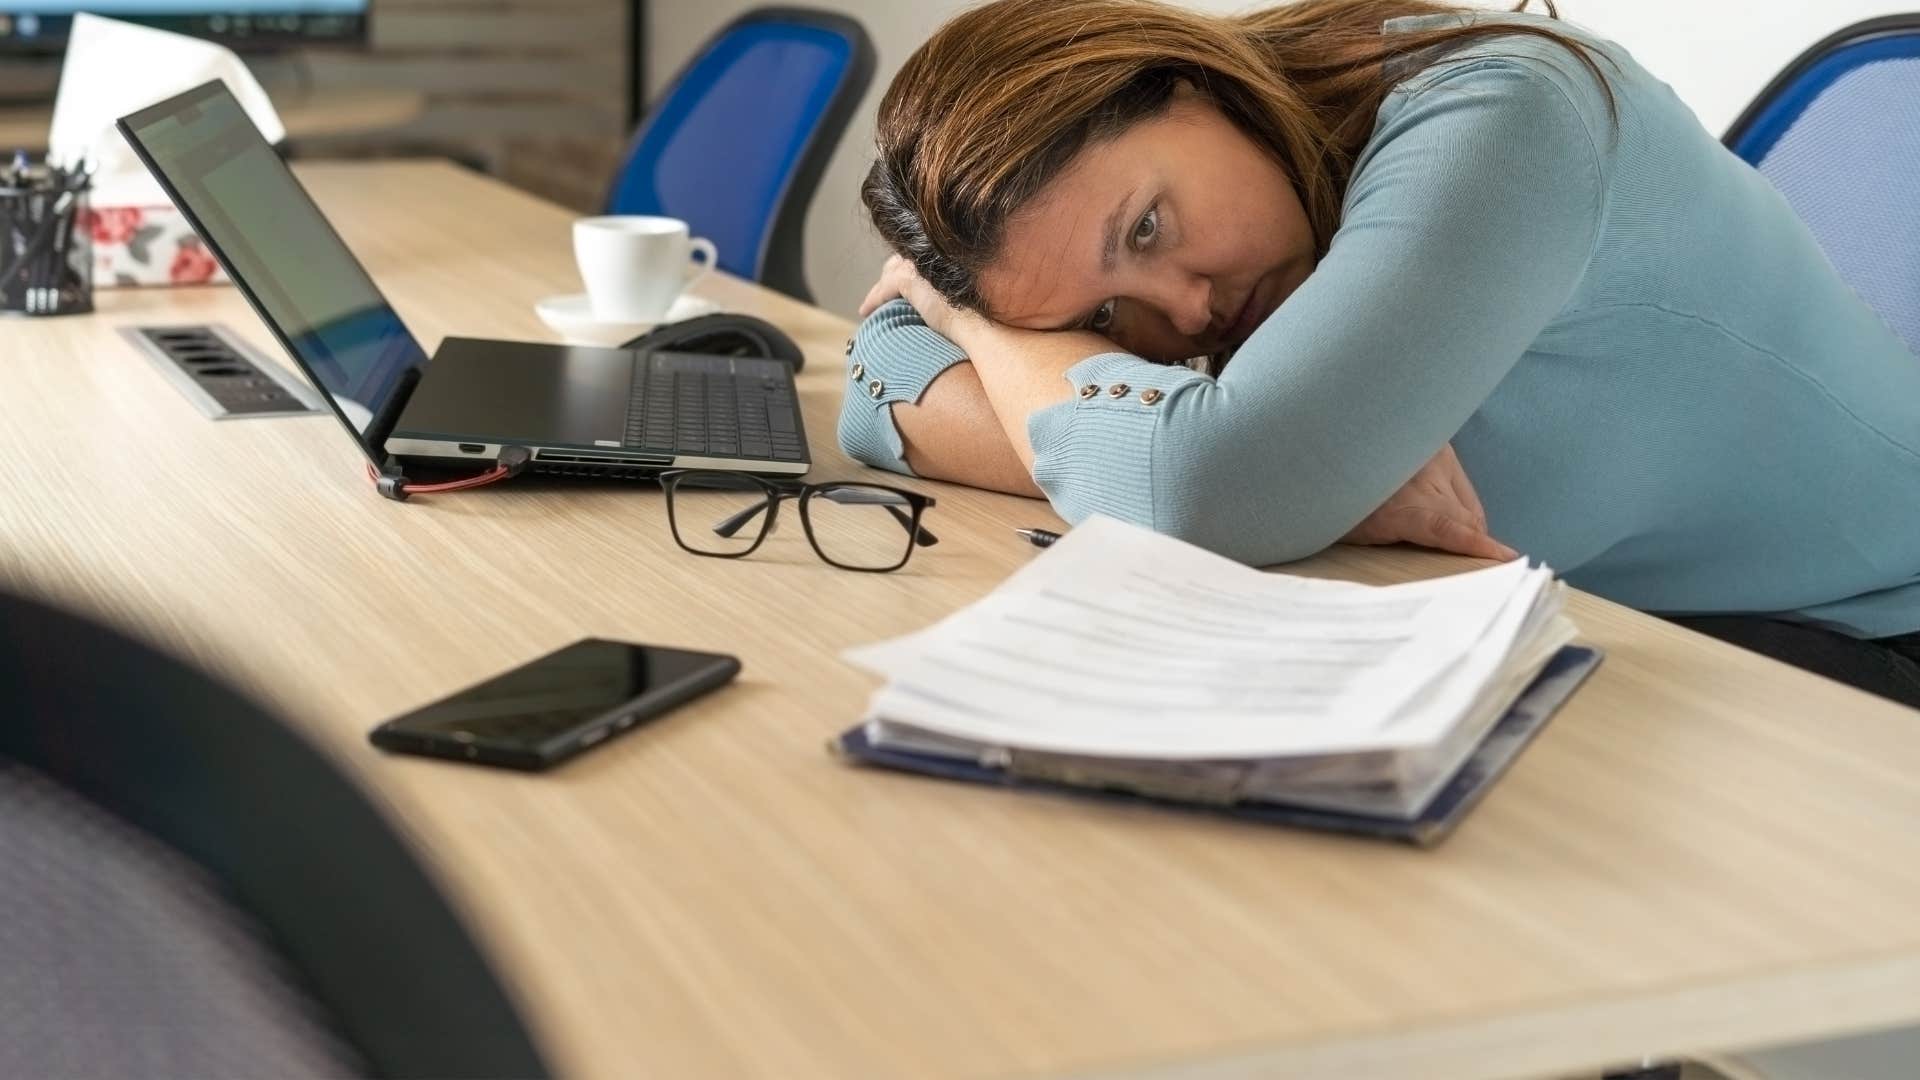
<point>1124,660</point>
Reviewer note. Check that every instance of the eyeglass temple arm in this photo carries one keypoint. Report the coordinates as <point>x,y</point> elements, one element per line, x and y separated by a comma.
<point>733,523</point>
<point>920,535</point>
<point>888,499</point>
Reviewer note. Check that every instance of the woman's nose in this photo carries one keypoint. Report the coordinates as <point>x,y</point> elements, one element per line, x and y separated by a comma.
<point>1190,307</point>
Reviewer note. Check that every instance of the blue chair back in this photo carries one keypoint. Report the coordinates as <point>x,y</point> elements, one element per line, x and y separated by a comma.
<point>1838,133</point>
<point>737,144</point>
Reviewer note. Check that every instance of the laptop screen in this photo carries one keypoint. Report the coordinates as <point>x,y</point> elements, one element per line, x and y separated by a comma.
<point>278,248</point>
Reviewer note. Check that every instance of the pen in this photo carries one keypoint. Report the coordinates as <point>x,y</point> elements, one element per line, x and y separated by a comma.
<point>1039,537</point>
<point>57,257</point>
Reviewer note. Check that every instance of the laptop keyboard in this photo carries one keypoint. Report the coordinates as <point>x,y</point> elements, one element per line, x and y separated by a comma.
<point>693,405</point>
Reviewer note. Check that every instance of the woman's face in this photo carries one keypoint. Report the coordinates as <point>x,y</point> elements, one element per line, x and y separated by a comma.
<point>1175,239</point>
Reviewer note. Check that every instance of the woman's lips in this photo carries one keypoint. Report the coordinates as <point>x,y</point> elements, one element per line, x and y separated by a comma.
<point>1248,319</point>
<point>1254,311</point>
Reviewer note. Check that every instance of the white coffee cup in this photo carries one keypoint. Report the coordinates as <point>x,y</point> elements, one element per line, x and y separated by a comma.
<point>635,265</point>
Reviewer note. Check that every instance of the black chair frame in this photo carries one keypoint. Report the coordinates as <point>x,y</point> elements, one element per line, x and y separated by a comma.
<point>1859,32</point>
<point>293,842</point>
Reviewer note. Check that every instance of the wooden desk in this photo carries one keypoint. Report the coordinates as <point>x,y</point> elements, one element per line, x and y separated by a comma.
<point>1704,850</point>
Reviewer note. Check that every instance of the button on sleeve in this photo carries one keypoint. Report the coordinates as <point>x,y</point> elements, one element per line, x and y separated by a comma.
<point>892,358</point>
<point>1091,453</point>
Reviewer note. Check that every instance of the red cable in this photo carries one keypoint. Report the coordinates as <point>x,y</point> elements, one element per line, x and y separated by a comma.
<point>498,472</point>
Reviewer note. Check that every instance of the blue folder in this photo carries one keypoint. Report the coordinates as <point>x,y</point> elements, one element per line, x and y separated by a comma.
<point>1502,743</point>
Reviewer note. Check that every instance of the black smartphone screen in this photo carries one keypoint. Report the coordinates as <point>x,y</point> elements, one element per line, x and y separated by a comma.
<point>551,708</point>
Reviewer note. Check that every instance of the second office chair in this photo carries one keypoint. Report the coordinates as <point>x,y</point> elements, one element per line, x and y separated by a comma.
<point>737,144</point>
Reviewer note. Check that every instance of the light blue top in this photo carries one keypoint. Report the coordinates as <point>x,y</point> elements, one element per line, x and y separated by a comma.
<point>1651,374</point>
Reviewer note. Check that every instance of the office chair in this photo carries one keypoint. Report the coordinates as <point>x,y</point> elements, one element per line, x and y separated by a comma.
<point>1838,133</point>
<point>193,890</point>
<point>737,145</point>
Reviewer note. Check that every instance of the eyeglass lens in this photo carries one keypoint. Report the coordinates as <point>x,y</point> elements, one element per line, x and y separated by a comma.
<point>860,527</point>
<point>718,513</point>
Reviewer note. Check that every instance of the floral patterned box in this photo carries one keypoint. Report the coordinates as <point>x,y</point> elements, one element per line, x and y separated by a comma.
<point>147,245</point>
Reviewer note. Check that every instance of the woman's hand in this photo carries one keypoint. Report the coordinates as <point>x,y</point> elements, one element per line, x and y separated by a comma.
<point>1438,509</point>
<point>899,278</point>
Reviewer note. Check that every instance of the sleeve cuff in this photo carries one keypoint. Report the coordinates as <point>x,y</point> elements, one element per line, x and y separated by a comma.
<point>1094,453</point>
<point>893,357</point>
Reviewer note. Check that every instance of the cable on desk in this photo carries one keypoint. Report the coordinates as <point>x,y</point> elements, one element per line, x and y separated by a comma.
<point>513,460</point>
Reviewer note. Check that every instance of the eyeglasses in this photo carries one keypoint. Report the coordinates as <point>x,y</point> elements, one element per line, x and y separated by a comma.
<point>867,527</point>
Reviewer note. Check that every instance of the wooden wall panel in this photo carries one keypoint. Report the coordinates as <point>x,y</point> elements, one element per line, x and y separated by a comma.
<point>486,25</point>
<point>534,90</point>
<point>27,79</point>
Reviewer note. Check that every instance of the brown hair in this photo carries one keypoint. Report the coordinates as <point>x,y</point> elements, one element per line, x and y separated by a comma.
<point>997,103</point>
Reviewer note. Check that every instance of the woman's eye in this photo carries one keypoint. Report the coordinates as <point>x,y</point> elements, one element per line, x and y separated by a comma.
<point>1102,317</point>
<point>1147,228</point>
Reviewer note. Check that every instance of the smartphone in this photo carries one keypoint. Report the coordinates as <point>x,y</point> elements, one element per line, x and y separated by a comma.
<point>566,702</point>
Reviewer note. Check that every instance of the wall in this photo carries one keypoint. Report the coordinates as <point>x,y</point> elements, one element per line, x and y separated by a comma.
<point>1715,53</point>
<point>536,90</point>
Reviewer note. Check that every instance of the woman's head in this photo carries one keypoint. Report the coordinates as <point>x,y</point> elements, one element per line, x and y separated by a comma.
<point>1177,236</point>
<point>1159,174</point>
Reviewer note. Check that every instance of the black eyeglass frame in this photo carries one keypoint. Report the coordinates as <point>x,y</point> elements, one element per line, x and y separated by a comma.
<point>778,491</point>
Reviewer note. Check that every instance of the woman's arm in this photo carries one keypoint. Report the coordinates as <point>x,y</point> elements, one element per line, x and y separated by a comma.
<point>952,433</point>
<point>948,433</point>
<point>1469,225</point>
<point>914,405</point>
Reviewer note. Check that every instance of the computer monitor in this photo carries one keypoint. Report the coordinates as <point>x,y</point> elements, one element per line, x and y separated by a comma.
<point>36,26</point>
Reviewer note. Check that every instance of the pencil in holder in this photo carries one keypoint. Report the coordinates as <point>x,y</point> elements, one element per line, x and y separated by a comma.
<point>46,261</point>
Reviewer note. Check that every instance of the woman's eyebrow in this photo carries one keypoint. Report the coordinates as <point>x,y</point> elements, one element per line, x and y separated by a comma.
<point>1110,247</point>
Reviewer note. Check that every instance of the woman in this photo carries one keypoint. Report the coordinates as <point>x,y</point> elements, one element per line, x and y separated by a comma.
<point>1409,232</point>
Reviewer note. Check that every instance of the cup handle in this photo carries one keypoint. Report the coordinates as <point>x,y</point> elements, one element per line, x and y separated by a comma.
<point>701,245</point>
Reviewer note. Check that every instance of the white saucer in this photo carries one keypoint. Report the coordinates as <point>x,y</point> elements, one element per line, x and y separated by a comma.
<point>572,318</point>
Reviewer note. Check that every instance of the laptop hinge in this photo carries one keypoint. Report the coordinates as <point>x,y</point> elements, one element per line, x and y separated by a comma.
<point>391,482</point>
<point>382,425</point>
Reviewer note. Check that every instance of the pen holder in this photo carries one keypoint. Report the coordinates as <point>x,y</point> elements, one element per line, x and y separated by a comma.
<point>46,261</point>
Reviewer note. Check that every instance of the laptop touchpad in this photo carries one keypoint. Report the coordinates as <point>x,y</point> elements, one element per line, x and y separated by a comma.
<point>510,391</point>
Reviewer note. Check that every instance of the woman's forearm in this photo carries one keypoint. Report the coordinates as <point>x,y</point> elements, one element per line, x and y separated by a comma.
<point>1021,372</point>
<point>952,433</point>
<point>915,405</point>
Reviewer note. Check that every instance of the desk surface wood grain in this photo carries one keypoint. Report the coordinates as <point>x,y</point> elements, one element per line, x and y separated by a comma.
<point>1704,850</point>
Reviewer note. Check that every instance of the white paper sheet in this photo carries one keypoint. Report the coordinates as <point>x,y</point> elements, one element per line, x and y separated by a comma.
<point>1119,642</point>
<point>113,68</point>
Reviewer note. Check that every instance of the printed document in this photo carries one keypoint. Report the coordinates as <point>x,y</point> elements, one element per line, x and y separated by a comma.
<point>1118,642</point>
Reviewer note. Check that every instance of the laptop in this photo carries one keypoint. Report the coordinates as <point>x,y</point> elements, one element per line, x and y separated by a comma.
<point>578,411</point>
